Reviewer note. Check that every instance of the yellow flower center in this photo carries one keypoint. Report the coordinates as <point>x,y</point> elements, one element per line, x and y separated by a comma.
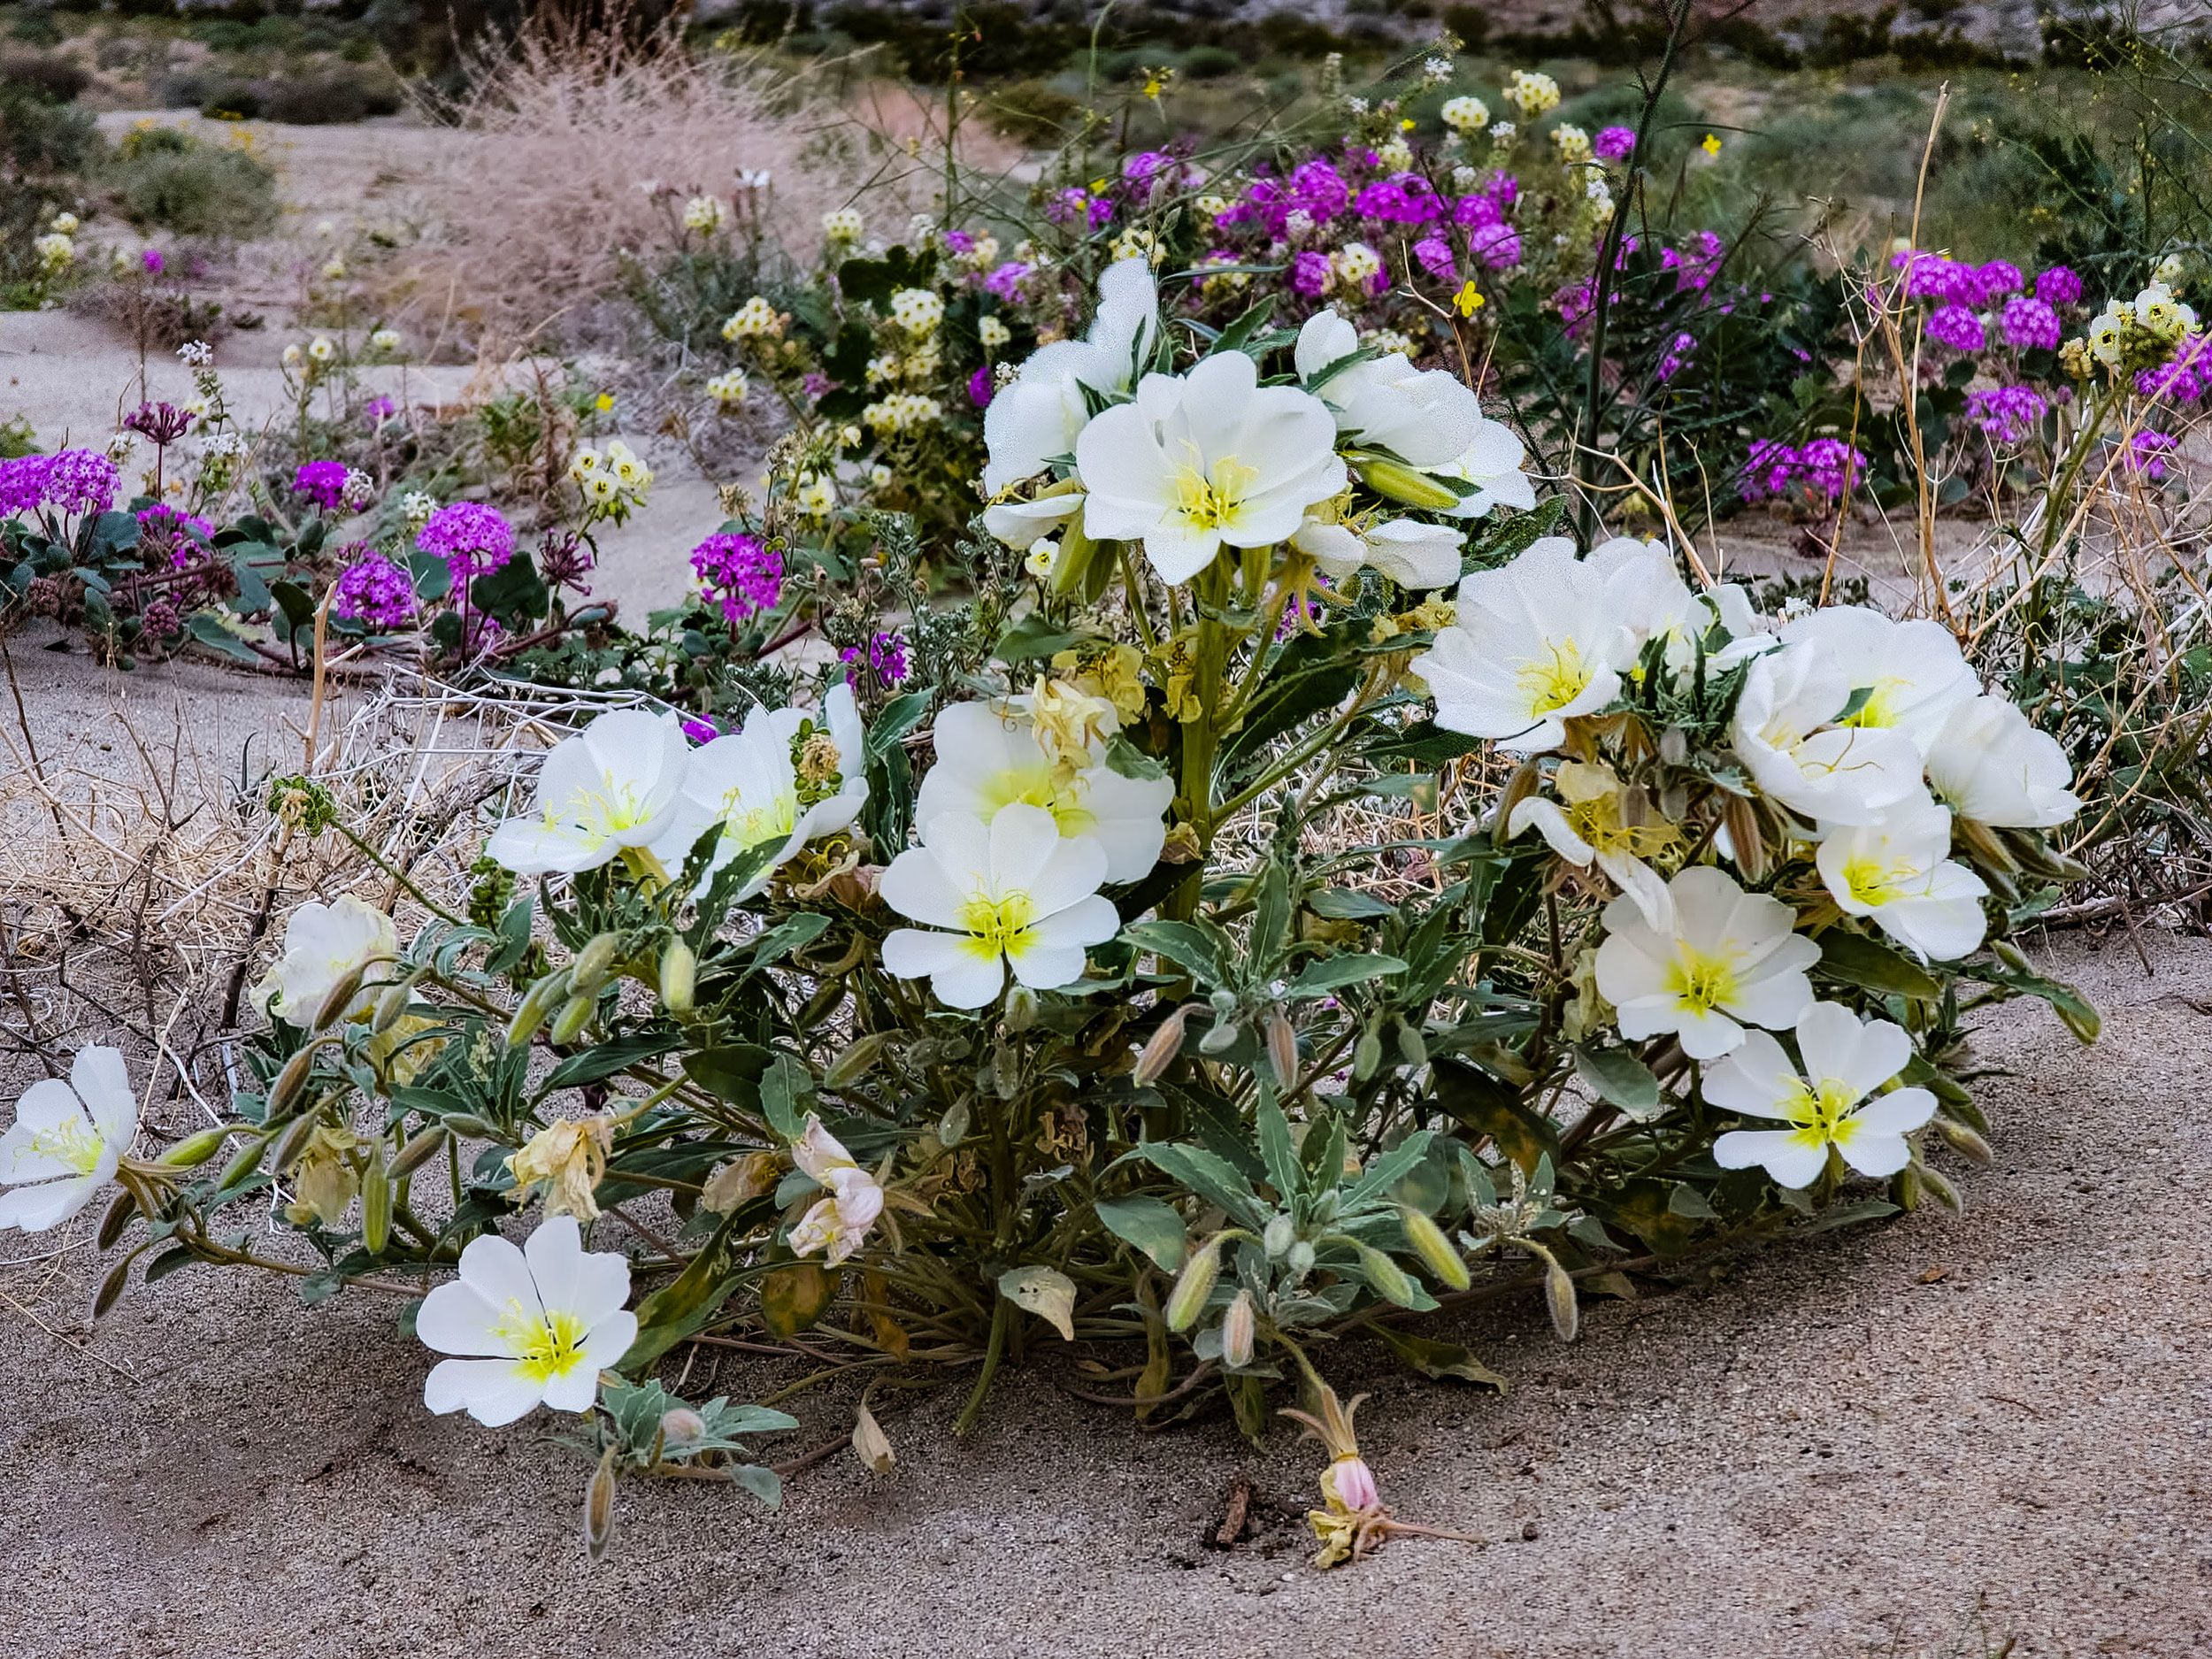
<point>76,1143</point>
<point>1822,1114</point>
<point>1209,498</point>
<point>1880,707</point>
<point>1045,786</point>
<point>1875,881</point>
<point>1554,679</point>
<point>545,1346</point>
<point>1702,982</point>
<point>750,825</point>
<point>995,926</point>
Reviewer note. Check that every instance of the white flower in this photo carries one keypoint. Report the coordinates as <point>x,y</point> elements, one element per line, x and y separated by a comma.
<point>66,1140</point>
<point>196,354</point>
<point>1410,552</point>
<point>320,350</point>
<point>786,776</point>
<point>1594,827</point>
<point>1533,645</point>
<point>1988,764</point>
<point>1019,523</point>
<point>1726,959</point>
<point>324,944</point>
<point>1894,870</point>
<point>1037,417</point>
<point>1357,263</point>
<point>292,357</point>
<point>1465,116</point>
<point>992,757</point>
<point>334,269</point>
<point>64,224</point>
<point>1424,417</point>
<point>1532,92</point>
<point>728,389</point>
<point>386,340</point>
<point>843,224</point>
<point>840,1219</point>
<point>1491,463</point>
<point>1038,561</point>
<point>755,320</point>
<point>993,333</point>
<point>1014,893</point>
<point>1845,1061</point>
<point>612,786</point>
<point>1208,460</point>
<point>535,1326</point>
<point>1912,672</point>
<point>1395,154</point>
<point>55,251</point>
<point>917,310</point>
<point>705,214</point>
<point>1781,733</point>
<point>415,506</point>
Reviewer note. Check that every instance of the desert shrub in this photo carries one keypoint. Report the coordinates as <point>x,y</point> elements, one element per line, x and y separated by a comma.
<point>1034,111</point>
<point>49,74</point>
<point>192,187</point>
<point>1211,62</point>
<point>316,98</point>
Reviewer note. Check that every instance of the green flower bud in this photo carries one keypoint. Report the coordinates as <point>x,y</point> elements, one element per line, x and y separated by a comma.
<point>1398,482</point>
<point>419,1151</point>
<point>1435,1249</point>
<point>536,1003</point>
<point>588,972</point>
<point>1281,1233</point>
<point>1193,1286</point>
<point>117,1217</point>
<point>195,1150</point>
<point>376,1202</point>
<point>680,977</point>
<point>1238,1329</point>
<point>1391,1282</point>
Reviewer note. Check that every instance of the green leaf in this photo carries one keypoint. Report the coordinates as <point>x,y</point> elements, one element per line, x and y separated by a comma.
<point>900,717</point>
<point>205,630</point>
<point>1389,1170</point>
<point>786,1089</point>
<point>1850,1215</point>
<point>682,1307</point>
<point>1441,1361</point>
<point>732,1073</point>
<point>1853,958</point>
<point>793,934</point>
<point>1032,637</point>
<point>1342,904</point>
<point>1489,1107</point>
<point>1617,1077</point>
<point>608,1058</point>
<point>1318,979</point>
<point>1277,1152</point>
<point>1150,1224</point>
<point>1212,1179</point>
<point>1183,943</point>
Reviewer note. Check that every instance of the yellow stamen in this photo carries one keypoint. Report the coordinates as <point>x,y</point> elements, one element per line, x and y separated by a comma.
<point>1555,678</point>
<point>545,1346</point>
<point>1702,982</point>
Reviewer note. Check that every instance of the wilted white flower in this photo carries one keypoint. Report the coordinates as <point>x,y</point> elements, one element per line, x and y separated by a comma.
<point>535,1326</point>
<point>1011,894</point>
<point>611,788</point>
<point>1724,959</point>
<point>66,1140</point>
<point>1895,872</point>
<point>1593,826</point>
<point>836,1224</point>
<point>1845,1061</point>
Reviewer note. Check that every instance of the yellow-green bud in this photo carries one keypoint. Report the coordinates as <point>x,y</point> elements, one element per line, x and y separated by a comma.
<point>1391,1281</point>
<point>243,1162</point>
<point>194,1151</point>
<point>111,1287</point>
<point>1238,1328</point>
<point>1401,483</point>
<point>854,1060</point>
<point>391,1005</point>
<point>536,1003</point>
<point>1965,1140</point>
<point>575,1013</point>
<point>680,977</point>
<point>1282,1048</point>
<point>599,1506</point>
<point>376,1202</point>
<point>117,1217</point>
<point>1559,1297</point>
<point>285,1093</point>
<point>1073,562</point>
<point>419,1151</point>
<point>1435,1249</point>
<point>339,998</point>
<point>588,972</point>
<point>1193,1286</point>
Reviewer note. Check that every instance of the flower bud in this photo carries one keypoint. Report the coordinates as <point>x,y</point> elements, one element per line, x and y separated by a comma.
<point>575,1014</point>
<point>1021,1010</point>
<point>1282,1048</point>
<point>196,1150</point>
<point>536,1003</point>
<point>1238,1328</point>
<point>419,1151</point>
<point>1526,778</point>
<point>1965,1140</point>
<point>111,1287</point>
<point>1281,1233</point>
<point>285,1092</point>
<point>1412,1046</point>
<point>1435,1249</point>
<point>1299,1259</point>
<point>588,972</point>
<point>339,998</point>
<point>1559,1298</point>
<point>1073,562</point>
<point>243,1162</point>
<point>1351,1483</point>
<point>1390,1281</point>
<point>1220,1037</point>
<point>679,977</point>
<point>599,1507</point>
<point>854,1060</point>
<point>117,1217</point>
<point>1398,483</point>
<point>1162,1048</point>
<point>681,1425</point>
<point>391,1005</point>
<point>1193,1286</point>
<point>1945,1195</point>
<point>1367,1054</point>
<point>376,1202</point>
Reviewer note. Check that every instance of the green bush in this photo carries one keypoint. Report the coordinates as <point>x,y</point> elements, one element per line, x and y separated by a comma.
<point>197,190</point>
<point>1211,62</point>
<point>59,79</point>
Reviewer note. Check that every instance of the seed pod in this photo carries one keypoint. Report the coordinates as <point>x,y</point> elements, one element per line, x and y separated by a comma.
<point>854,1060</point>
<point>285,1093</point>
<point>196,1150</point>
<point>680,977</point>
<point>1162,1048</point>
<point>588,972</point>
<point>821,1005</point>
<point>419,1151</point>
<point>1193,1286</point>
<point>1412,1045</point>
<point>376,1202</point>
<point>1238,1328</point>
<point>1965,1140</point>
<point>568,1024</point>
<point>1435,1249</point>
<point>1559,1297</point>
<point>1526,778</point>
<point>1282,1048</point>
<point>1391,1281</point>
<point>469,1124</point>
<point>1401,483</point>
<point>1281,1233</point>
<point>117,1217</point>
<point>1021,1010</point>
<point>339,998</point>
<point>293,1141</point>
<point>536,1003</point>
<point>599,1507</point>
<point>111,1287</point>
<point>1747,836</point>
<point>243,1162</point>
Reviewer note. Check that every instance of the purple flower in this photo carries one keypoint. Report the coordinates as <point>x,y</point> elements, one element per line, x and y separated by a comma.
<point>960,241</point>
<point>816,385</point>
<point>1955,326</point>
<point>163,520</point>
<point>378,410</point>
<point>1826,469</point>
<point>161,425</point>
<point>2058,286</point>
<point>23,483</point>
<point>322,482</point>
<point>2182,379</point>
<point>1614,143</point>
<point>471,538</point>
<point>2146,455</point>
<point>1435,255</point>
<point>1006,281</point>
<point>373,591</point>
<point>1101,210</point>
<point>1318,190</point>
<point>699,731</point>
<point>80,481</point>
<point>1310,273</point>
<point>1404,198</point>
<point>1497,246</point>
<point>2009,414</point>
<point>885,658</point>
<point>980,387</point>
<point>1996,280</point>
<point>738,574</point>
<point>1678,350</point>
<point>1930,276</point>
<point>154,263</point>
<point>2030,324</point>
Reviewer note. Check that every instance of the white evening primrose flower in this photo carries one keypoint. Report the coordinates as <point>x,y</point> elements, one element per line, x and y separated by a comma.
<point>66,1140</point>
<point>705,214</point>
<point>1038,561</point>
<point>323,945</point>
<point>1037,417</point>
<point>991,757</point>
<point>1990,765</point>
<point>1895,872</point>
<point>1019,523</point>
<point>292,356</point>
<point>837,1223</point>
<point>533,1326</point>
<point>611,788</point>
<point>320,350</point>
<point>1490,463</point>
<point>1424,417</point>
<point>788,777</point>
<point>1011,894</point>
<point>1207,460</point>
<point>1589,823</point>
<point>1725,960</point>
<point>1412,553</point>
<point>1912,672</point>
<point>1783,735</point>
<point>1532,645</point>
<point>1826,1105</point>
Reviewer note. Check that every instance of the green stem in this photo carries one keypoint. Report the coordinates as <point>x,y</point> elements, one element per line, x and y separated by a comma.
<point>992,1353</point>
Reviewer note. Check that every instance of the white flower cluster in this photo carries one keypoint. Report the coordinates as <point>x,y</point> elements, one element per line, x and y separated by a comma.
<point>705,214</point>
<point>902,413</point>
<point>728,389</point>
<point>843,224</point>
<point>2155,312</point>
<point>1571,143</point>
<point>917,310</point>
<point>756,319</point>
<point>1465,115</point>
<point>614,483</point>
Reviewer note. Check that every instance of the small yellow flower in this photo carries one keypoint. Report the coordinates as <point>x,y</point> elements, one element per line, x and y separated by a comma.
<point>1469,299</point>
<point>603,402</point>
<point>1711,146</point>
<point>1406,124</point>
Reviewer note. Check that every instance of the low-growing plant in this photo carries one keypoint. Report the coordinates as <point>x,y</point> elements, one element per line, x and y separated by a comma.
<point>165,177</point>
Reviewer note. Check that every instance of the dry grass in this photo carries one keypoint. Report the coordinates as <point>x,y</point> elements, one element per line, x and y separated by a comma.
<point>567,127</point>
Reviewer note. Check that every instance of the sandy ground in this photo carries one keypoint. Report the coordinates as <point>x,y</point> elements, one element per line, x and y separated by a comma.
<point>1926,1438</point>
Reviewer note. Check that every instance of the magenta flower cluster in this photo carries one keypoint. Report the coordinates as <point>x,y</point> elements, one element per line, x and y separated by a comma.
<point>67,481</point>
<point>885,658</point>
<point>2184,378</point>
<point>1825,469</point>
<point>471,539</point>
<point>373,591</point>
<point>738,574</point>
<point>1956,327</point>
<point>2030,324</point>
<point>2009,414</point>
<point>2147,453</point>
<point>322,482</point>
<point>1613,143</point>
<point>1934,276</point>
